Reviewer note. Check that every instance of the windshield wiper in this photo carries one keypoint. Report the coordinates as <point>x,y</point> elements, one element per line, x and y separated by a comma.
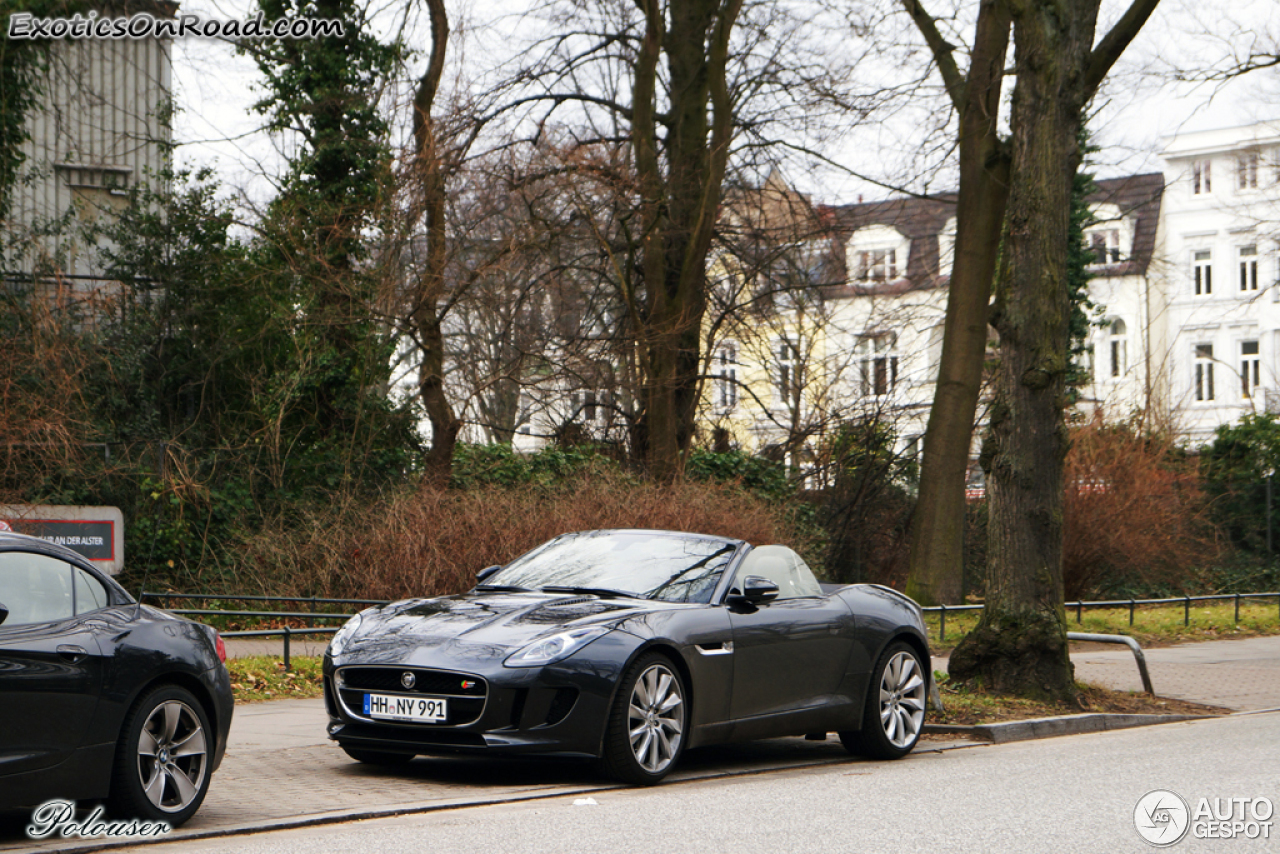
<point>503,588</point>
<point>603,592</point>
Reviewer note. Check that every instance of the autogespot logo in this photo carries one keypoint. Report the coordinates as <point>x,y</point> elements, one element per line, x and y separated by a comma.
<point>1162,817</point>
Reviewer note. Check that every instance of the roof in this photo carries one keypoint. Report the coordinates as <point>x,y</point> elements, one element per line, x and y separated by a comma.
<point>921,219</point>
<point>1137,196</point>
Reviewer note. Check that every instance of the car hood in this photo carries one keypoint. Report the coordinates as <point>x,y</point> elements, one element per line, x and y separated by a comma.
<point>488,625</point>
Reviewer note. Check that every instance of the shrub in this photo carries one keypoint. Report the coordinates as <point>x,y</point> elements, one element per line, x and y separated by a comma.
<point>1133,512</point>
<point>431,542</point>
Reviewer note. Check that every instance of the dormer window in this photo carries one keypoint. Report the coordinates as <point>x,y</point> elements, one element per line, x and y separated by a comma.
<point>1104,245</point>
<point>878,265</point>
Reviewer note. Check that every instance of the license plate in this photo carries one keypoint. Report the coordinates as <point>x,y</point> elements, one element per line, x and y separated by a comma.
<point>413,709</point>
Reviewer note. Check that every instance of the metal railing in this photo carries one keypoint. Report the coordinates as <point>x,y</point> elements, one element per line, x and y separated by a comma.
<point>286,632</point>
<point>1131,604</point>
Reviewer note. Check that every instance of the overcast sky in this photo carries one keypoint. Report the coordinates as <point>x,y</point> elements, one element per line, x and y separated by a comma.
<point>214,90</point>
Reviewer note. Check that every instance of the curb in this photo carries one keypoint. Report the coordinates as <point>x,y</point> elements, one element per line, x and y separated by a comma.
<point>1064,725</point>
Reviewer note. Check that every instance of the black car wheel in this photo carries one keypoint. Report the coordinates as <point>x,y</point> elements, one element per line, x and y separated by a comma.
<point>376,757</point>
<point>162,760</point>
<point>894,711</point>
<point>646,726</point>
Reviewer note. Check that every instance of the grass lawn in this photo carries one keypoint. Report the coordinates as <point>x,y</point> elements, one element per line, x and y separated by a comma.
<point>263,677</point>
<point>1153,625</point>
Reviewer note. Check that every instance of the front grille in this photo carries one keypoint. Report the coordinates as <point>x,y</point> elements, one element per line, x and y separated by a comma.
<point>434,682</point>
<point>465,706</point>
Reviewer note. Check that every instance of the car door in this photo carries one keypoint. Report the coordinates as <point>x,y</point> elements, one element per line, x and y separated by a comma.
<point>789,654</point>
<point>50,662</point>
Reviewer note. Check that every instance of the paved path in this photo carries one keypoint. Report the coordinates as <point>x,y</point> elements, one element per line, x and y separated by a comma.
<point>1236,674</point>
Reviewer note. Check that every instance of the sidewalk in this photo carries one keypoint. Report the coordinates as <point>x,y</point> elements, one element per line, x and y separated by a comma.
<point>1243,675</point>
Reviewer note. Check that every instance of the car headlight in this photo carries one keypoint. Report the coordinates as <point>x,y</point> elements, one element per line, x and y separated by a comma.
<point>553,648</point>
<point>345,634</point>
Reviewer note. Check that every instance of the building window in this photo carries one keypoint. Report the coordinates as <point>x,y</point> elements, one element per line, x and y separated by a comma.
<point>1105,247</point>
<point>1200,182</point>
<point>1249,267</point>
<point>1247,171</point>
<point>1250,369</point>
<point>878,265</point>
<point>878,364</point>
<point>1202,271</point>
<point>790,372</point>
<point>1119,346</point>
<point>1204,372</point>
<point>727,376</point>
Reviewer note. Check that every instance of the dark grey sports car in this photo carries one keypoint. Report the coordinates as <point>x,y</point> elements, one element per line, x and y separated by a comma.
<point>631,646</point>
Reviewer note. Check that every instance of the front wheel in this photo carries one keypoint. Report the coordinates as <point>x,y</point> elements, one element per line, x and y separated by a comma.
<point>162,761</point>
<point>894,713</point>
<point>647,723</point>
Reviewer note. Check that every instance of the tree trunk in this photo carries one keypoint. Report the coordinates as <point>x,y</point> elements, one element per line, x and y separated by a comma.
<point>1020,644</point>
<point>937,525</point>
<point>429,289</point>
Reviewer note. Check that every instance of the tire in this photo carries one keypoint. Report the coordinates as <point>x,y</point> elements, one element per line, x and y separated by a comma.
<point>162,766</point>
<point>646,728</point>
<point>376,757</point>
<point>894,712</point>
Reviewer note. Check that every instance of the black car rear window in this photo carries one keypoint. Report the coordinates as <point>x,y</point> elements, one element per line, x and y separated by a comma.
<point>649,566</point>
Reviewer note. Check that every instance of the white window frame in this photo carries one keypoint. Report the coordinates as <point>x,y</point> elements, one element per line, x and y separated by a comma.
<point>1202,373</point>
<point>878,364</point>
<point>1201,177</point>
<point>1202,272</point>
<point>1118,348</point>
<point>1247,170</point>
<point>1106,239</point>
<point>1250,368</point>
<point>789,374</point>
<point>726,374</point>
<point>1247,257</point>
<point>877,265</point>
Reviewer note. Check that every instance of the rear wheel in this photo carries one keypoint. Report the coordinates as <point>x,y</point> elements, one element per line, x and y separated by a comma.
<point>646,726</point>
<point>162,766</point>
<point>894,712</point>
<point>377,757</point>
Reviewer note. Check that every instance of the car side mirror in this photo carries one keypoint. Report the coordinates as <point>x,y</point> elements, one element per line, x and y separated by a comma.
<point>486,572</point>
<point>756,591</point>
<point>4,612</point>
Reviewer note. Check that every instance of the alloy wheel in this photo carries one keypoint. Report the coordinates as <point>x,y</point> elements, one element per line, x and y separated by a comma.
<point>172,756</point>
<point>902,690</point>
<point>655,718</point>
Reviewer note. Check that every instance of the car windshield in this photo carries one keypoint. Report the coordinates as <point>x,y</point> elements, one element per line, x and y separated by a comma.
<point>649,566</point>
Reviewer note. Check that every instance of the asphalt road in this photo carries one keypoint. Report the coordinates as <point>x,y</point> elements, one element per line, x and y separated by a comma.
<point>1071,794</point>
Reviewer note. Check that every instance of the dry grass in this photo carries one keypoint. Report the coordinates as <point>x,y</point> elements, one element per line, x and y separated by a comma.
<point>432,542</point>
<point>967,706</point>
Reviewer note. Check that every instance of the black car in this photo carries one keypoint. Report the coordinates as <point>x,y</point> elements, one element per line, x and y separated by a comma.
<point>631,646</point>
<point>101,697</point>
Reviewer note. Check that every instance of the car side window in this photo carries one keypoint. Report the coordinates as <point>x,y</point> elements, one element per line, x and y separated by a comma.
<point>35,588</point>
<point>90,593</point>
<point>784,568</point>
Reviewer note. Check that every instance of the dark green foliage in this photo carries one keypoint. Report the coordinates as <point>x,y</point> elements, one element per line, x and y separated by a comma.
<point>1235,469</point>
<point>764,477</point>
<point>1079,257</point>
<point>498,465</point>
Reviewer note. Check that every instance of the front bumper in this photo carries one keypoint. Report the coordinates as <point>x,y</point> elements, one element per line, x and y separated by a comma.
<point>558,709</point>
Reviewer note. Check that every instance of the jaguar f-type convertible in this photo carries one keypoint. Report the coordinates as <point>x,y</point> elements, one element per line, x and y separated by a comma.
<point>631,646</point>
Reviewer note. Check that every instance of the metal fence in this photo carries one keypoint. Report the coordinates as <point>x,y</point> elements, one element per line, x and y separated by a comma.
<point>1131,604</point>
<point>286,632</point>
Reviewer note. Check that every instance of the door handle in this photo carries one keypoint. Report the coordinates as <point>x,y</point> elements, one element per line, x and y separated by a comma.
<point>72,653</point>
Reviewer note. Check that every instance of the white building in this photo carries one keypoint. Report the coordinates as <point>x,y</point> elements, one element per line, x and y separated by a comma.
<point>101,127</point>
<point>1221,224</point>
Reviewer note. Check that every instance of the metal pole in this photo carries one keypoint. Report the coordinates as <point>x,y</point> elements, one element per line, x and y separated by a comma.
<point>1269,475</point>
<point>1186,616</point>
<point>1079,611</point>
<point>287,633</point>
<point>942,630</point>
<point>1130,610</point>
<point>1237,609</point>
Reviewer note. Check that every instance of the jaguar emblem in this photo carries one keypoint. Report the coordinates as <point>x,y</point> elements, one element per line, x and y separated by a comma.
<point>407,679</point>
